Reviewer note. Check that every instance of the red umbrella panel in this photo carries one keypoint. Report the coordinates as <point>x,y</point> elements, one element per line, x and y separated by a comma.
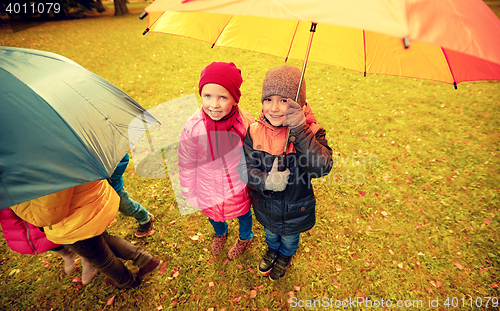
<point>443,41</point>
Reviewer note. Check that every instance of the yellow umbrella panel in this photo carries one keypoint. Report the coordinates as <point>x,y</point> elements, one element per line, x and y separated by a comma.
<point>349,48</point>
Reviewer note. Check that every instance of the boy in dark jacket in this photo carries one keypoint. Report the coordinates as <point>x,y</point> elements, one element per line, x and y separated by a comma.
<point>283,200</point>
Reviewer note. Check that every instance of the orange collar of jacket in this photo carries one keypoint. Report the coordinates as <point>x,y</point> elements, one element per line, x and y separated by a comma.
<point>269,138</point>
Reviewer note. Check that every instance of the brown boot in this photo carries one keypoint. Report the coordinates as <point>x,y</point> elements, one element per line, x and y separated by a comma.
<point>110,282</point>
<point>238,248</point>
<point>218,244</point>
<point>88,271</point>
<point>153,265</point>
<point>69,259</point>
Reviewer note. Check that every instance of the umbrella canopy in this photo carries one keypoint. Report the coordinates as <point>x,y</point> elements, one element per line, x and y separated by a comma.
<point>60,124</point>
<point>448,41</point>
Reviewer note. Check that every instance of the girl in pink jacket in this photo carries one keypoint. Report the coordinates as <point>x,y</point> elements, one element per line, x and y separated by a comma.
<point>209,151</point>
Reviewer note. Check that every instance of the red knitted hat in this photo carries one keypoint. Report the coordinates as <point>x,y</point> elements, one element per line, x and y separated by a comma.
<point>225,74</point>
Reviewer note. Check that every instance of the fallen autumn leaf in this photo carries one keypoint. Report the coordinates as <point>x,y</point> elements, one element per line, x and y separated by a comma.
<point>253,293</point>
<point>110,300</point>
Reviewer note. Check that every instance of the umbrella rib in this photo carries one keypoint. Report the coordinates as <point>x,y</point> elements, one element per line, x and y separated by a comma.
<point>449,67</point>
<point>291,42</point>
<point>149,28</point>
<point>364,48</point>
<point>222,30</point>
<point>97,109</point>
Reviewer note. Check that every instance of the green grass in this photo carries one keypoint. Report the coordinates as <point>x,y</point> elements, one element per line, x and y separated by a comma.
<point>424,224</point>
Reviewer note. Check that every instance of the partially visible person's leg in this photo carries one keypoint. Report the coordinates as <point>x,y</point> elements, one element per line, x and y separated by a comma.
<point>289,245</point>
<point>220,228</point>
<point>245,238</point>
<point>98,253</point>
<point>126,250</point>
<point>88,271</point>
<point>68,256</point>
<point>245,222</point>
<point>129,207</point>
<point>269,259</point>
<point>272,240</point>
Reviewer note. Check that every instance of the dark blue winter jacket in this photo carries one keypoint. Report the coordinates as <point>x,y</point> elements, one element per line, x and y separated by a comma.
<point>308,156</point>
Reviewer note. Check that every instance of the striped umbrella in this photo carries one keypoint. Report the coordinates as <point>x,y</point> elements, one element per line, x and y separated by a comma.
<point>60,125</point>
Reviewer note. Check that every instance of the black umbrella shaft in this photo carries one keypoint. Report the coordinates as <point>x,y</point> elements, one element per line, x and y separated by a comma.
<point>312,31</point>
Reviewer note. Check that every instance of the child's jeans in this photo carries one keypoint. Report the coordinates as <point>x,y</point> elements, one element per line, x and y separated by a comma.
<point>129,207</point>
<point>287,244</point>
<point>245,221</point>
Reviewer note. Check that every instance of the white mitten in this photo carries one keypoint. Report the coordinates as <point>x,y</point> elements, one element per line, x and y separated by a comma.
<point>277,181</point>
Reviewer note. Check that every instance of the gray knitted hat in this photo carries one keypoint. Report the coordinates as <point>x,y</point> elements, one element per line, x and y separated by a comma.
<point>284,81</point>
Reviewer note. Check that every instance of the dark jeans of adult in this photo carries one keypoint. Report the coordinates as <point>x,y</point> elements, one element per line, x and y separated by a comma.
<point>103,251</point>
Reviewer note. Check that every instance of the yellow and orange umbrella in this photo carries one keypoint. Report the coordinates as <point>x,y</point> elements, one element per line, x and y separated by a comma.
<point>448,41</point>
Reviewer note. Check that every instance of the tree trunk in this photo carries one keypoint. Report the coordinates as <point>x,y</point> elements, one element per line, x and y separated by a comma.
<point>99,7</point>
<point>120,7</point>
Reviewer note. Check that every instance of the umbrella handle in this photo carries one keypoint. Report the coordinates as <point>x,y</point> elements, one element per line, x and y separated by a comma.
<point>281,163</point>
<point>312,31</point>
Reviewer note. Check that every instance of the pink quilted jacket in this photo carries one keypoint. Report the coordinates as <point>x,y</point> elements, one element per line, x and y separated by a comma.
<point>207,184</point>
<point>23,237</point>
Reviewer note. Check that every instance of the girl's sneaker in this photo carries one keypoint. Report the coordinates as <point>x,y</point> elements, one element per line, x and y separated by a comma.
<point>218,244</point>
<point>268,261</point>
<point>280,267</point>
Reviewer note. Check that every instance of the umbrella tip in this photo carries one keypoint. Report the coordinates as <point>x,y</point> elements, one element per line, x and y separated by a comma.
<point>143,14</point>
<point>145,31</point>
<point>406,42</point>
<point>455,85</point>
